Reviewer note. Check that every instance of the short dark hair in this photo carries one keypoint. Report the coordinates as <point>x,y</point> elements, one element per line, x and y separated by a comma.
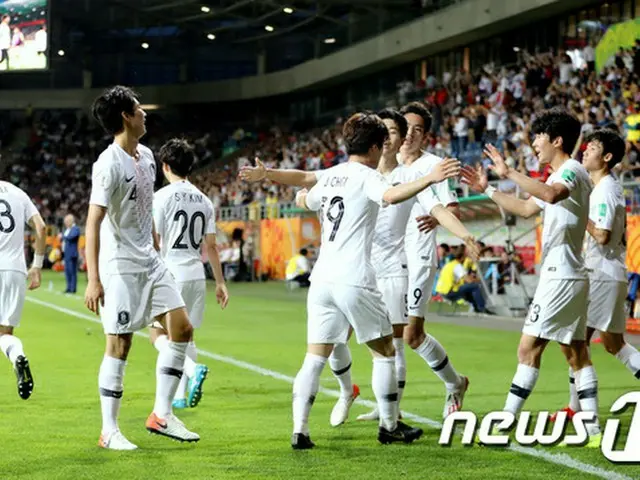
<point>303,252</point>
<point>363,131</point>
<point>558,122</point>
<point>460,252</point>
<point>611,142</point>
<point>420,109</point>
<point>445,247</point>
<point>107,109</point>
<point>396,116</point>
<point>179,155</point>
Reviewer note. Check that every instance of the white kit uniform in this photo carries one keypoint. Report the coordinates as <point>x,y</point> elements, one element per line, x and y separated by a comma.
<point>559,308</point>
<point>16,209</point>
<point>421,248</point>
<point>183,216</point>
<point>388,252</point>
<point>137,285</point>
<point>606,263</point>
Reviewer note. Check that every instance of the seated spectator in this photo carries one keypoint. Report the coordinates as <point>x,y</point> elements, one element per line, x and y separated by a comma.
<point>298,269</point>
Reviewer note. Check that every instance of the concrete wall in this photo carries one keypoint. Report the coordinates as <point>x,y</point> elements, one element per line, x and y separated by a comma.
<point>457,25</point>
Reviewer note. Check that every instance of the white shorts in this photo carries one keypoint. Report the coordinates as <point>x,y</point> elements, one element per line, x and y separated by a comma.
<point>606,306</point>
<point>559,310</point>
<point>421,278</point>
<point>194,293</point>
<point>332,308</point>
<point>133,300</point>
<point>13,288</point>
<point>394,295</point>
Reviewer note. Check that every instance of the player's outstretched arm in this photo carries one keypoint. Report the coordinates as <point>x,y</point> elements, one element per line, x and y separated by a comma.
<point>222,295</point>
<point>94,295</point>
<point>34,275</point>
<point>448,168</point>
<point>477,181</point>
<point>449,221</point>
<point>296,178</point>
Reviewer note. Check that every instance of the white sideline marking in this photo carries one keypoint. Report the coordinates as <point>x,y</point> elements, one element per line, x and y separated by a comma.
<point>557,458</point>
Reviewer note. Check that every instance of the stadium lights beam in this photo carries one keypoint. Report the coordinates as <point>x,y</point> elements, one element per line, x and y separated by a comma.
<point>287,10</point>
<point>268,28</point>
<point>61,53</point>
<point>211,36</point>
<point>516,49</point>
<point>205,9</point>
<point>329,40</point>
<point>145,45</point>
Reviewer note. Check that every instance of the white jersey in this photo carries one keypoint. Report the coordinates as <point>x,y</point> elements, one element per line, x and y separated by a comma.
<point>607,211</point>
<point>348,197</point>
<point>565,223</point>
<point>125,187</point>
<point>421,247</point>
<point>16,209</point>
<point>183,216</point>
<point>388,252</point>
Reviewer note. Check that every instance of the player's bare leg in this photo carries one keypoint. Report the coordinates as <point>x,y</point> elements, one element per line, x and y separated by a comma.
<point>110,382</point>
<point>340,364</point>
<point>385,388</point>
<point>169,370</point>
<point>436,357</point>
<point>11,346</point>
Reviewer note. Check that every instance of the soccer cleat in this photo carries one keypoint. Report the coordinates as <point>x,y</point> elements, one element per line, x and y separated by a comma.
<point>454,400</point>
<point>300,441</point>
<point>570,413</point>
<point>340,411</point>
<point>179,403</point>
<point>170,427</point>
<point>403,433</point>
<point>115,441</point>
<point>25,379</point>
<point>195,385</point>
<point>594,441</point>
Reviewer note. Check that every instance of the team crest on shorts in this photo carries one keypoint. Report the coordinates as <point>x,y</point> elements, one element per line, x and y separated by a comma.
<point>123,318</point>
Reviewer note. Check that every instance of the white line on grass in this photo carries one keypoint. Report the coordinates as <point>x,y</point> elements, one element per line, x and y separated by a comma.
<point>557,458</point>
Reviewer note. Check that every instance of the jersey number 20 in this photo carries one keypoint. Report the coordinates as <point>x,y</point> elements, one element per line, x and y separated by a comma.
<point>180,244</point>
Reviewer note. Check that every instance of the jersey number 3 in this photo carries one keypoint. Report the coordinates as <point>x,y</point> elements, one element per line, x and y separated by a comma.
<point>180,244</point>
<point>7,222</point>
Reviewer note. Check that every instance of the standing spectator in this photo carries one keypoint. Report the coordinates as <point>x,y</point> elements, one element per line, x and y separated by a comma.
<point>589,55</point>
<point>5,40</point>
<point>70,239</point>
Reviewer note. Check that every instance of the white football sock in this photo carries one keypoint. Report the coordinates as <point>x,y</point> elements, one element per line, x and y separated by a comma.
<point>192,355</point>
<point>521,387</point>
<point>110,385</point>
<point>587,386</point>
<point>340,363</point>
<point>385,389</point>
<point>305,388</point>
<point>169,368</point>
<point>434,354</point>
<point>401,366</point>
<point>628,355</point>
<point>11,346</point>
<point>161,342</point>
<point>574,403</point>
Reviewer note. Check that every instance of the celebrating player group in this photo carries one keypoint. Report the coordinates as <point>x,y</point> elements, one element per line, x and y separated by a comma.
<point>373,277</point>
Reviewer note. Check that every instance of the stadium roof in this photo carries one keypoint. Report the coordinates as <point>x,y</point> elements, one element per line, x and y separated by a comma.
<point>254,23</point>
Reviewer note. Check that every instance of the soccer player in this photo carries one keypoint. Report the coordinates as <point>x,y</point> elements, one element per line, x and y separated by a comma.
<point>16,210</point>
<point>421,249</point>
<point>129,285</point>
<point>184,217</point>
<point>605,254</point>
<point>559,309</point>
<point>343,291</point>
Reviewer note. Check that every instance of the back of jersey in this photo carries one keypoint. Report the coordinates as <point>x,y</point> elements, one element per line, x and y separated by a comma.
<point>183,215</point>
<point>16,209</point>
<point>347,197</point>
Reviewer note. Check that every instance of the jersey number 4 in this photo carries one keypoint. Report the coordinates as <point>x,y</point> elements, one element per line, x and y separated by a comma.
<point>190,224</point>
<point>7,222</point>
<point>334,214</point>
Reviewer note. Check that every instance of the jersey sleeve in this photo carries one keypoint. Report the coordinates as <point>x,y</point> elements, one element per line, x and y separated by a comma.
<point>445,193</point>
<point>604,213</point>
<point>375,186</point>
<point>158,213</point>
<point>29,207</point>
<point>210,228</point>
<point>319,174</point>
<point>428,200</point>
<point>104,181</point>
<point>568,177</point>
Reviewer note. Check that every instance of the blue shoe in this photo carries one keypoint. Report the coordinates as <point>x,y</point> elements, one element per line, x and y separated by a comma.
<point>182,403</point>
<point>195,385</point>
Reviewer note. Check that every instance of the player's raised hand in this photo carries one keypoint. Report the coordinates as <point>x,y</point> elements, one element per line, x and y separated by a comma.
<point>222,295</point>
<point>34,278</point>
<point>447,168</point>
<point>426,223</point>
<point>94,296</point>
<point>253,174</point>
<point>499,165</point>
<point>472,248</point>
<point>475,178</point>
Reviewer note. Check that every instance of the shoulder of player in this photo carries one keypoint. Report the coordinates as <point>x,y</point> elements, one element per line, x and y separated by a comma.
<point>107,159</point>
<point>146,151</point>
<point>13,189</point>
